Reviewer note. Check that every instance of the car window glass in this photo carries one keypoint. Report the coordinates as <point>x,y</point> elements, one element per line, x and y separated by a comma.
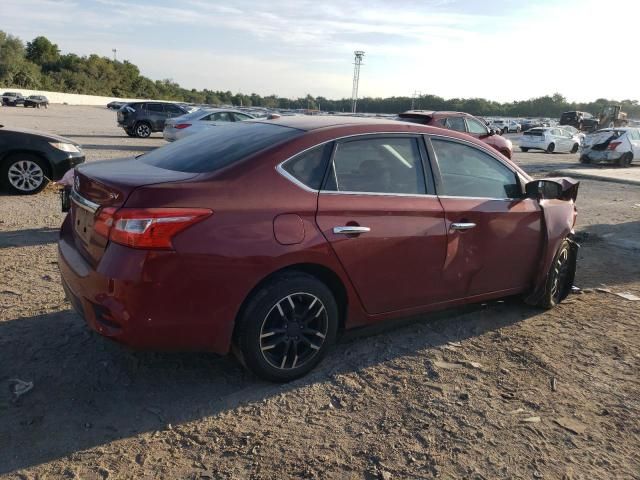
<point>476,127</point>
<point>377,165</point>
<point>469,172</point>
<point>456,123</point>
<point>173,109</point>
<point>309,167</point>
<point>240,117</point>
<point>635,135</point>
<point>207,153</point>
<point>221,117</point>
<point>155,107</point>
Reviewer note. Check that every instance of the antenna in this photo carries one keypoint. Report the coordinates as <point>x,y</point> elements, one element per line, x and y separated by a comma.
<point>115,51</point>
<point>416,94</point>
<point>356,78</point>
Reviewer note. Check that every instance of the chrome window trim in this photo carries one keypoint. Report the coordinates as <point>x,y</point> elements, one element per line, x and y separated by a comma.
<point>481,198</point>
<point>280,167</point>
<point>83,203</point>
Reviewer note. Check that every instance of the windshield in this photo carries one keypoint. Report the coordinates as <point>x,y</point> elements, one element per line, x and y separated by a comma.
<point>217,148</point>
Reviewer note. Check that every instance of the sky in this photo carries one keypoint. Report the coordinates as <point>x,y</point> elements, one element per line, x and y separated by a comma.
<point>502,50</point>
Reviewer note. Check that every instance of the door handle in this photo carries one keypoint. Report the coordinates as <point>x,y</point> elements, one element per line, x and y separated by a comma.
<point>462,226</point>
<point>350,230</point>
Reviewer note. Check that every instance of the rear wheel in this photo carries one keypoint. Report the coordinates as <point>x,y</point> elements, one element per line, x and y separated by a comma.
<point>575,147</point>
<point>524,149</point>
<point>625,160</point>
<point>286,327</point>
<point>551,147</point>
<point>584,159</point>
<point>142,130</point>
<point>23,173</point>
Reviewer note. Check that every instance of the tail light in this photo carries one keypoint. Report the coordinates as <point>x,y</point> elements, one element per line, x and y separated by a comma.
<point>613,145</point>
<point>180,126</point>
<point>149,228</point>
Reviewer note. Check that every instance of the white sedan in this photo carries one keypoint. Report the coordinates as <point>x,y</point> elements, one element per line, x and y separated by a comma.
<point>612,145</point>
<point>200,120</point>
<point>549,139</point>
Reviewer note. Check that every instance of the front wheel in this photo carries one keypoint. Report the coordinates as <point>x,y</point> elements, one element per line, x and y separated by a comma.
<point>23,173</point>
<point>560,276</point>
<point>551,148</point>
<point>286,327</point>
<point>584,159</point>
<point>524,149</point>
<point>575,148</point>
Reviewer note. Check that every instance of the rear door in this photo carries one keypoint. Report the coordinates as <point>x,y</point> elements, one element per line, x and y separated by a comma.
<point>156,115</point>
<point>494,235</point>
<point>386,226</point>
<point>476,129</point>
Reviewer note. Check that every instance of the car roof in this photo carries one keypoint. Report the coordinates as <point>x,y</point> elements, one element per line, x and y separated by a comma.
<point>315,122</point>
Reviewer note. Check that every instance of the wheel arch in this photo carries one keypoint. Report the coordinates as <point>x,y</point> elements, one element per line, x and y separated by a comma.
<point>323,273</point>
<point>5,155</point>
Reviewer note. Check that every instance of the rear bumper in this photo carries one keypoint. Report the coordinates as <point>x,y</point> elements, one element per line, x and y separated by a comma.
<point>603,156</point>
<point>143,300</point>
<point>169,135</point>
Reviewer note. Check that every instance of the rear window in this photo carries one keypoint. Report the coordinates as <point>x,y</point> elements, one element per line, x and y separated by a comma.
<point>538,132</point>
<point>218,147</point>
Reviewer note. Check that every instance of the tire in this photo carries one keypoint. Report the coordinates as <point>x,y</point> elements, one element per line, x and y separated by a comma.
<point>524,149</point>
<point>551,147</point>
<point>575,148</point>
<point>130,133</point>
<point>584,159</point>
<point>281,306</point>
<point>14,168</point>
<point>559,277</point>
<point>625,160</point>
<point>142,130</point>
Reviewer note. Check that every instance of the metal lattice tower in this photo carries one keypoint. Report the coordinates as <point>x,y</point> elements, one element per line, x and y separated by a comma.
<point>356,78</point>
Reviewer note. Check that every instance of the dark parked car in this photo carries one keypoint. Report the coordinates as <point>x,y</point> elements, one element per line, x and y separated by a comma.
<point>115,105</point>
<point>273,236</point>
<point>36,101</point>
<point>460,122</point>
<point>140,119</point>
<point>12,99</point>
<point>29,159</point>
<point>580,120</point>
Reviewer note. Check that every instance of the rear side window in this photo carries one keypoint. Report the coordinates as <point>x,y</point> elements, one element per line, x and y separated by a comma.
<point>377,165</point>
<point>155,107</point>
<point>240,117</point>
<point>173,109</point>
<point>309,167</point>
<point>469,172</point>
<point>219,148</point>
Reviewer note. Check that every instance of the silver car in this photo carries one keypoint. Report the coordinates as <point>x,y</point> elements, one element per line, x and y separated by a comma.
<point>199,121</point>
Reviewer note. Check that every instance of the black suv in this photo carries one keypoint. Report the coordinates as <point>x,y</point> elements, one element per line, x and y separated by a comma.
<point>580,120</point>
<point>140,119</point>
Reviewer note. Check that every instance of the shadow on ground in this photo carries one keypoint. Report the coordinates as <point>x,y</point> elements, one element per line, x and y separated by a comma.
<point>28,237</point>
<point>89,391</point>
<point>124,148</point>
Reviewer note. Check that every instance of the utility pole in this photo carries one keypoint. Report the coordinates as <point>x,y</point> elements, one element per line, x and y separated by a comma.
<point>115,51</point>
<point>415,95</point>
<point>358,54</point>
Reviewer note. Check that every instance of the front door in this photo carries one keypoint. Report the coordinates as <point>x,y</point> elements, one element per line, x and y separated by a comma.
<point>494,234</point>
<point>384,222</point>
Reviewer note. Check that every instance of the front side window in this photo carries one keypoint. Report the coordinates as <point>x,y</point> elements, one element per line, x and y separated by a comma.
<point>174,109</point>
<point>221,117</point>
<point>476,127</point>
<point>467,171</point>
<point>377,165</point>
<point>309,167</point>
<point>240,117</point>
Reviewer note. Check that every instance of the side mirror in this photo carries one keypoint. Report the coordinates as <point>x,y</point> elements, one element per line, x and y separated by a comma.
<point>543,189</point>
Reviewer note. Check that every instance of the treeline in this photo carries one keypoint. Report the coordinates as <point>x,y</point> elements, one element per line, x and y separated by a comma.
<point>39,65</point>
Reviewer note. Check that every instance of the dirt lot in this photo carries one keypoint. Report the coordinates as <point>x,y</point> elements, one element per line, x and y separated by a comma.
<point>494,391</point>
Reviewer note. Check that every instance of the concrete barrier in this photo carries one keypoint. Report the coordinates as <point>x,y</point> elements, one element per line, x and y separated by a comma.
<point>69,98</point>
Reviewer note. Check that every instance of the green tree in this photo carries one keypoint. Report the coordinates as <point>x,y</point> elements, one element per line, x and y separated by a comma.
<point>42,52</point>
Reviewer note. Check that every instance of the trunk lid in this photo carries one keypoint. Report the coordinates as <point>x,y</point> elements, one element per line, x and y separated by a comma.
<point>105,184</point>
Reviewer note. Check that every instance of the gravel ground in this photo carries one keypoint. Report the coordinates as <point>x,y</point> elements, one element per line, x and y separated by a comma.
<point>494,391</point>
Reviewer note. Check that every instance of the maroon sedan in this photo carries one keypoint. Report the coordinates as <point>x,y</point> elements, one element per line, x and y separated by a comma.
<point>460,122</point>
<point>269,238</point>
